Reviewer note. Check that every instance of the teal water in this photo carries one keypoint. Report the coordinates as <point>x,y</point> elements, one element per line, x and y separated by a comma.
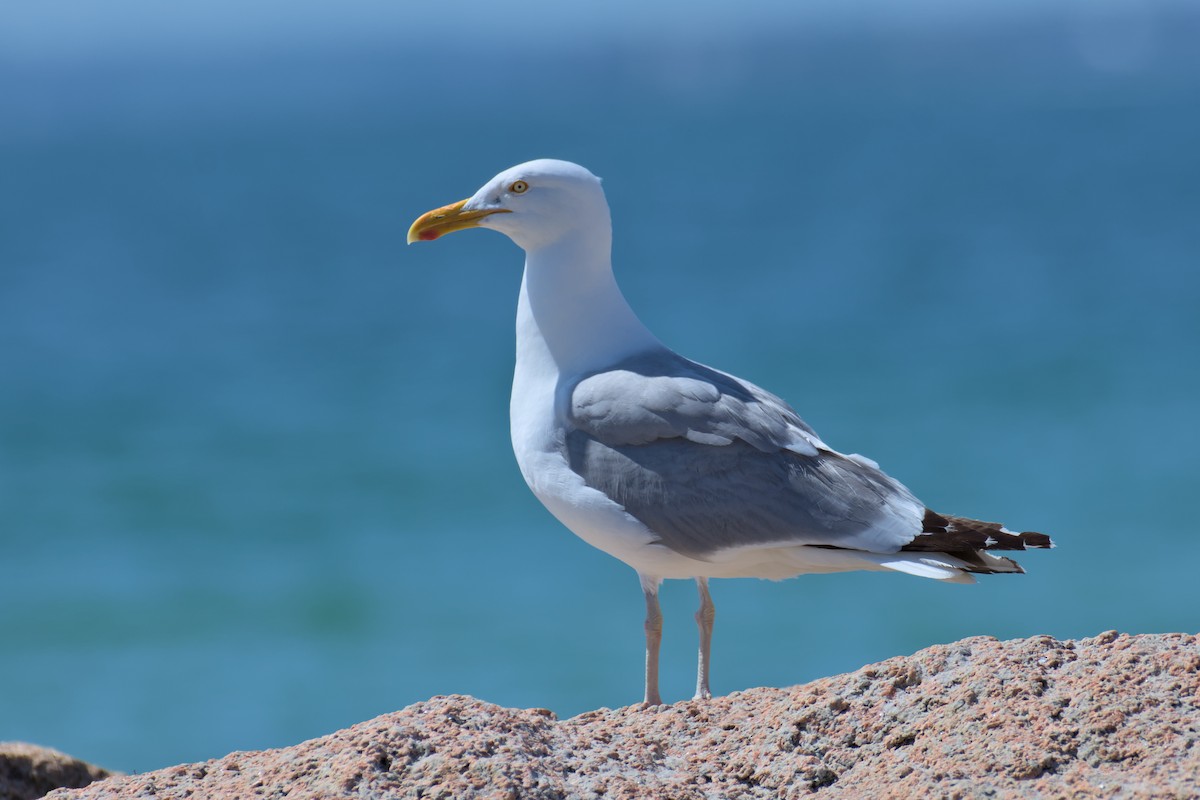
<point>255,478</point>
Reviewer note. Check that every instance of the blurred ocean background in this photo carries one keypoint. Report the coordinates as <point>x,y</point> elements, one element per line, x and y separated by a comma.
<point>255,474</point>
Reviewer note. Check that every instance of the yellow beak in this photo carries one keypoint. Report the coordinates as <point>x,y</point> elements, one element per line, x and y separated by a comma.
<point>448,219</point>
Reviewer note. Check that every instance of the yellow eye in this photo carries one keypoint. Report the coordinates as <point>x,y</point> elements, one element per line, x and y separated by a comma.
<point>517,187</point>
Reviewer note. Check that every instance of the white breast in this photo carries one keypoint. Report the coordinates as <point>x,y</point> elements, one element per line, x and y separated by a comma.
<point>537,438</point>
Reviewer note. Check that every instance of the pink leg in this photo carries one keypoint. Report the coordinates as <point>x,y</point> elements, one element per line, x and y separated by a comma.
<point>653,640</point>
<point>704,620</point>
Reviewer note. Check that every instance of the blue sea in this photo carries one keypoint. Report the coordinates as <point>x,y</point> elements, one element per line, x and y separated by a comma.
<point>255,474</point>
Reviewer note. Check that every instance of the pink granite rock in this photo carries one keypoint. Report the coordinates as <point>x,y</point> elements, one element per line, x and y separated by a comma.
<point>1113,716</point>
<point>28,771</point>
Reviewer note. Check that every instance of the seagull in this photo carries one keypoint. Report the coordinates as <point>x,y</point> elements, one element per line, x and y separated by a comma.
<point>678,469</point>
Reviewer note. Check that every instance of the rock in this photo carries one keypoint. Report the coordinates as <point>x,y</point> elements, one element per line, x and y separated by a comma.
<point>28,771</point>
<point>1113,716</point>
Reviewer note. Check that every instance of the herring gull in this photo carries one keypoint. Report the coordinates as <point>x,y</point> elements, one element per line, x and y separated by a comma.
<point>677,469</point>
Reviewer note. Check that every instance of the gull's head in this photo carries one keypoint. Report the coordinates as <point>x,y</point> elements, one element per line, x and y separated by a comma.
<point>534,204</point>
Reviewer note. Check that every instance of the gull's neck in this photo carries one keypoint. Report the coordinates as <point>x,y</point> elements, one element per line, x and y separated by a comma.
<point>571,310</point>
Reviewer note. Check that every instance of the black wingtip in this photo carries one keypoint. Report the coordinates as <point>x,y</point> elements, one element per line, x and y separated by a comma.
<point>1035,540</point>
<point>946,533</point>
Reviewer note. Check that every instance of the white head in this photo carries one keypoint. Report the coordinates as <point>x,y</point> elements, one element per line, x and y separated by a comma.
<point>535,204</point>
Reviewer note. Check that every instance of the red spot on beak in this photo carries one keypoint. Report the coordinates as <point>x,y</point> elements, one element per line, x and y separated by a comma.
<point>428,236</point>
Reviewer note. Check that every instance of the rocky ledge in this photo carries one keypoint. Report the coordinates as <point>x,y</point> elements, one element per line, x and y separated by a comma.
<point>1112,716</point>
<point>28,771</point>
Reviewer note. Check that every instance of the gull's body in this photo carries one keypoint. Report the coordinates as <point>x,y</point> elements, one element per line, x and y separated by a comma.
<point>677,469</point>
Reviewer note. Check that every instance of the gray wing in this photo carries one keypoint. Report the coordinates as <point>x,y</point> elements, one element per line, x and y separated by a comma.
<point>662,395</point>
<point>707,462</point>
